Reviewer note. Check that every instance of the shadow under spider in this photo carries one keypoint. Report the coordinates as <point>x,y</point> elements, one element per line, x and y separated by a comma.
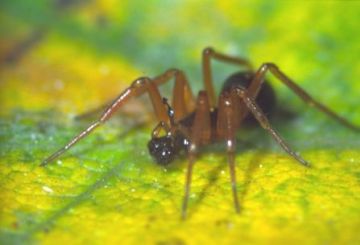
<point>214,176</point>
<point>253,166</point>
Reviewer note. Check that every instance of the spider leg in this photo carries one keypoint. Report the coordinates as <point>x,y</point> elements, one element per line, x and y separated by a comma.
<point>226,127</point>
<point>200,133</point>
<point>264,122</point>
<point>137,88</point>
<point>208,54</point>
<point>92,112</point>
<point>183,100</point>
<point>259,78</point>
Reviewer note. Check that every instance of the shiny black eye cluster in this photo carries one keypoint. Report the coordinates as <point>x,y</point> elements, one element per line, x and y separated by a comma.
<point>165,149</point>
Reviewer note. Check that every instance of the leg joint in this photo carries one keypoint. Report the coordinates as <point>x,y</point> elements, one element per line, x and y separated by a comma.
<point>230,146</point>
<point>267,65</point>
<point>240,91</point>
<point>139,82</point>
<point>173,72</point>
<point>208,51</point>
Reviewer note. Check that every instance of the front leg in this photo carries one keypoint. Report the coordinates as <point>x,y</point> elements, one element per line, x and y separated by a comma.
<point>138,87</point>
<point>183,100</point>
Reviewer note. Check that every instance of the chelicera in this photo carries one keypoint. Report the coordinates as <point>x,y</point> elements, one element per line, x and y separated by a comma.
<point>190,122</point>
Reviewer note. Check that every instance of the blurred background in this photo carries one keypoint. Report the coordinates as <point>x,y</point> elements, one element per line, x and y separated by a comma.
<point>73,55</point>
<point>60,58</point>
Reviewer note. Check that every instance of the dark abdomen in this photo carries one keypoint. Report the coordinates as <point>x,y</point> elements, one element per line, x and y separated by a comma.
<point>266,98</point>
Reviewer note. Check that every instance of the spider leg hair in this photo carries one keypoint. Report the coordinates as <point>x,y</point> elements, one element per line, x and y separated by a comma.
<point>264,122</point>
<point>259,78</point>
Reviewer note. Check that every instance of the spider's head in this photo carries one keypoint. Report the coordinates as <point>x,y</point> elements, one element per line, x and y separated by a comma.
<point>164,149</point>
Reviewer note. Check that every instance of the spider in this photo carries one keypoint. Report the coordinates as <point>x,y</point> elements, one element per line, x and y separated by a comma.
<point>191,123</point>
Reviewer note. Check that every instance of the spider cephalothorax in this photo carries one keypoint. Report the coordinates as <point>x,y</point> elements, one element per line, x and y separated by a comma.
<point>206,119</point>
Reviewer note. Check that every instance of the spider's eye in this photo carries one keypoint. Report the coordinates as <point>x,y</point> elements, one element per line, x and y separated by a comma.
<point>162,149</point>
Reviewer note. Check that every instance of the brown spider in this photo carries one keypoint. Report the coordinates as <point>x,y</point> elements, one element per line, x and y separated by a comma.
<point>191,123</point>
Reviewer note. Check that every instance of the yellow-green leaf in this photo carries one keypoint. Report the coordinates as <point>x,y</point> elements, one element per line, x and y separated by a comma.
<point>63,58</point>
